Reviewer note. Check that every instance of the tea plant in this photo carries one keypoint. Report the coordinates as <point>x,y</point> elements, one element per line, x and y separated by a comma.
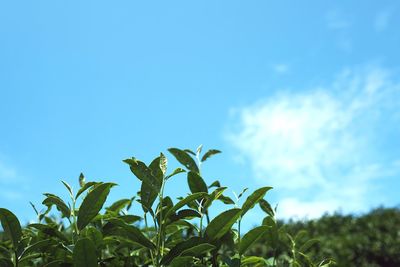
<point>168,233</point>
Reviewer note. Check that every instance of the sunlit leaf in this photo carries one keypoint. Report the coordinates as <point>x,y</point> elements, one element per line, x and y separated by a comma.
<point>254,198</point>
<point>221,224</point>
<point>210,153</point>
<point>92,204</point>
<point>184,159</point>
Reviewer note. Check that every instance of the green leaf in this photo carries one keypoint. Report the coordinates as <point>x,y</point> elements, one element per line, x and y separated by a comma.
<point>175,172</point>
<point>186,214</point>
<point>133,233</point>
<point>198,150</point>
<point>179,248</point>
<point>49,230</point>
<point>11,226</point>
<point>118,205</point>
<point>209,153</point>
<point>85,253</point>
<point>129,219</point>
<point>196,183</point>
<point>189,152</point>
<point>184,158</point>
<point>266,207</point>
<point>51,200</point>
<point>254,261</point>
<point>251,237</point>
<point>254,199</point>
<point>198,250</point>
<point>215,184</point>
<point>221,224</point>
<point>156,171</point>
<point>308,244</point>
<point>185,201</point>
<point>151,178</point>
<point>55,263</point>
<point>93,234</point>
<point>216,194</point>
<point>69,188</point>
<point>185,261</point>
<point>148,194</point>
<point>85,187</point>
<point>82,180</point>
<point>92,204</point>
<point>36,247</point>
<point>163,163</point>
<point>6,262</point>
<point>226,200</point>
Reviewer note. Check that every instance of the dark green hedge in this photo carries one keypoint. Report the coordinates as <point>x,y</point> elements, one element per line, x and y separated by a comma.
<point>369,240</point>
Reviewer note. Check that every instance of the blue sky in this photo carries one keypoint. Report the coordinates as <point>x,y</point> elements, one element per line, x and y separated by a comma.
<point>302,97</point>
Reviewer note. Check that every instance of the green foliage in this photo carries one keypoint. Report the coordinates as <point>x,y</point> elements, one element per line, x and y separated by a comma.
<point>168,233</point>
<point>370,240</point>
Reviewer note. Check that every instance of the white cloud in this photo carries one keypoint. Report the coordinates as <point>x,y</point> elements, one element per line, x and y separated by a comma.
<point>9,180</point>
<point>7,174</point>
<point>322,148</point>
<point>281,68</point>
<point>381,21</point>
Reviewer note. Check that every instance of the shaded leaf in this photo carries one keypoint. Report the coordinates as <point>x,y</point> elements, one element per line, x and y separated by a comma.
<point>185,201</point>
<point>177,250</point>
<point>51,200</point>
<point>11,226</point>
<point>251,237</point>
<point>196,183</point>
<point>84,253</point>
<point>198,250</point>
<point>49,230</point>
<point>36,247</point>
<point>133,233</point>
<point>185,261</point>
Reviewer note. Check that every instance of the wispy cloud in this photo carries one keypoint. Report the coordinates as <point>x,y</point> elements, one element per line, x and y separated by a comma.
<point>281,68</point>
<point>9,179</point>
<point>324,148</point>
<point>382,19</point>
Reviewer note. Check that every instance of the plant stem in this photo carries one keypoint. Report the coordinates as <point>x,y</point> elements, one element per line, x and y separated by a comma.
<point>239,239</point>
<point>147,228</point>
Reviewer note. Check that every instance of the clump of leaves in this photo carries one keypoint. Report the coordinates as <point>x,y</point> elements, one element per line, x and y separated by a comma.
<point>168,233</point>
